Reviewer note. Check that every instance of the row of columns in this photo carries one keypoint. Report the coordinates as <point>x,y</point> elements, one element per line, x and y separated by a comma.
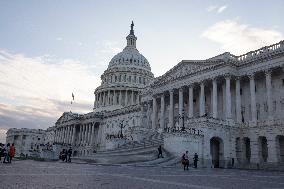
<point>68,135</point>
<point>105,98</point>
<point>228,109</point>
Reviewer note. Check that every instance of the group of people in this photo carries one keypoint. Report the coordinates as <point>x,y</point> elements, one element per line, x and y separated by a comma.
<point>8,152</point>
<point>65,155</point>
<point>185,160</point>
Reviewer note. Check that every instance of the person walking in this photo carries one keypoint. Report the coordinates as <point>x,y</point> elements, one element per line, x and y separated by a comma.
<point>12,152</point>
<point>160,152</point>
<point>66,155</point>
<point>1,152</point>
<point>195,160</point>
<point>69,154</point>
<point>185,160</point>
<point>6,153</point>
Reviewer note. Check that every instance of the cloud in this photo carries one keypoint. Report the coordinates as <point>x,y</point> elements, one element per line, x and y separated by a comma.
<point>216,8</point>
<point>59,39</point>
<point>221,9</point>
<point>240,38</point>
<point>35,91</point>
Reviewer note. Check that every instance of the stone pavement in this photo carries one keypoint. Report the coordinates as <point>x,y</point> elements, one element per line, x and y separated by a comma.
<point>59,175</point>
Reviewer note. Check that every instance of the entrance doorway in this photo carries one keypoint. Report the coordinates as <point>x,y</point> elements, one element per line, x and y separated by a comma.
<point>216,151</point>
<point>280,148</point>
<point>263,150</point>
<point>247,151</point>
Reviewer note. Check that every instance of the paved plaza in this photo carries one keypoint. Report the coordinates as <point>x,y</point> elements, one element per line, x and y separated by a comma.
<point>34,174</point>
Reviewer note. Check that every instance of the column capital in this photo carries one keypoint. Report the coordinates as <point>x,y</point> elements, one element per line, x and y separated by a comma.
<point>171,90</point>
<point>238,77</point>
<point>228,76</point>
<point>268,72</point>
<point>180,89</point>
<point>251,76</point>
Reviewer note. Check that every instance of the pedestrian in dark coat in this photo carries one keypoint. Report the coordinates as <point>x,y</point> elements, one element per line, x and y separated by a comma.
<point>160,152</point>
<point>195,160</point>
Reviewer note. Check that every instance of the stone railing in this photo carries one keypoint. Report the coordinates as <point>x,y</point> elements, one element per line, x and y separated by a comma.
<point>197,120</point>
<point>275,48</point>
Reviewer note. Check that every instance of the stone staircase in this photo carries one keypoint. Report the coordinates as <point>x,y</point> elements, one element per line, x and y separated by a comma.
<point>132,152</point>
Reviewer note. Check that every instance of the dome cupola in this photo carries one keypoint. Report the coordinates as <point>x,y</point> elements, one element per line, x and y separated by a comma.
<point>127,74</point>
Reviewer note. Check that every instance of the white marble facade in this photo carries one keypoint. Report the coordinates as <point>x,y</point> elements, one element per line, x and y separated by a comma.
<point>229,109</point>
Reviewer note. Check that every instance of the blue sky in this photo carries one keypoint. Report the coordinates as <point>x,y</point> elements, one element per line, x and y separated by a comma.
<point>49,49</point>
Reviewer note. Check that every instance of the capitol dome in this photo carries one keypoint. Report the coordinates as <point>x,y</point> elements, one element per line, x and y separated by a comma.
<point>127,74</point>
<point>130,56</point>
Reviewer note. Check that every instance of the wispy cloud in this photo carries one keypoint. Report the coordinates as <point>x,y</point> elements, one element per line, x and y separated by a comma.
<point>240,38</point>
<point>38,89</point>
<point>216,8</point>
<point>59,39</point>
<point>221,9</point>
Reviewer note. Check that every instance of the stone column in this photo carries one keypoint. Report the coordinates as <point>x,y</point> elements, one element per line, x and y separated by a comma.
<point>132,98</point>
<point>190,101</point>
<point>137,98</point>
<point>180,106</point>
<point>126,98</point>
<point>202,100</point>
<point>101,99</point>
<point>108,97</point>
<point>272,150</point>
<point>68,134</point>
<point>86,134</point>
<point>171,110</point>
<point>90,133</point>
<point>253,102</point>
<point>238,101</point>
<point>254,146</point>
<point>64,134</point>
<point>162,118</point>
<point>79,135</point>
<point>114,98</point>
<point>93,133</point>
<point>120,98</point>
<point>215,99</point>
<point>268,93</point>
<point>83,134</point>
<point>154,114</point>
<point>104,98</point>
<point>59,134</point>
<point>228,98</point>
<point>74,135</point>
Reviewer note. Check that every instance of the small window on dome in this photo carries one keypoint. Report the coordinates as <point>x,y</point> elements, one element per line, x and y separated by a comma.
<point>134,60</point>
<point>130,60</point>
<point>138,61</point>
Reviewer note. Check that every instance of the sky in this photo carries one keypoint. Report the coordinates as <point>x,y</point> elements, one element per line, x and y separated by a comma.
<point>51,49</point>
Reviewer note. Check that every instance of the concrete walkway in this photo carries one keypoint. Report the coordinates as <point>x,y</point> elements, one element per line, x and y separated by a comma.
<point>35,174</point>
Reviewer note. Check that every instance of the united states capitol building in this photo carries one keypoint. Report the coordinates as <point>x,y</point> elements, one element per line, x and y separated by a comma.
<point>228,109</point>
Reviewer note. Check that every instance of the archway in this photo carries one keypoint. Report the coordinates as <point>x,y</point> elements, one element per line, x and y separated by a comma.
<point>247,151</point>
<point>280,148</point>
<point>263,150</point>
<point>216,151</point>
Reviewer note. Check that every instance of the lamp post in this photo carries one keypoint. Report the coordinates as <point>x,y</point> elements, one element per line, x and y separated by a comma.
<point>182,118</point>
<point>121,127</point>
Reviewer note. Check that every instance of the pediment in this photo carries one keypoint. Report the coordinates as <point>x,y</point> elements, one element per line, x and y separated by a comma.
<point>185,68</point>
<point>66,116</point>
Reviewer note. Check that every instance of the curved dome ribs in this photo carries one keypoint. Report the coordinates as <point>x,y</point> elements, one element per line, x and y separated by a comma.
<point>128,72</point>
